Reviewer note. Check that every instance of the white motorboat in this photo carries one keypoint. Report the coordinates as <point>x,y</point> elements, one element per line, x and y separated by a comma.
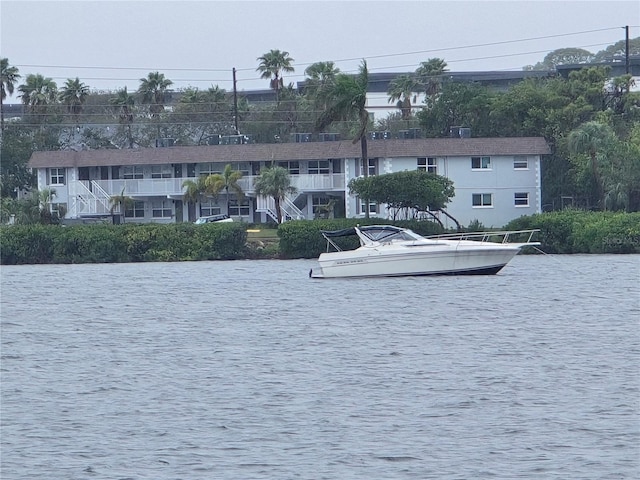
<point>387,250</point>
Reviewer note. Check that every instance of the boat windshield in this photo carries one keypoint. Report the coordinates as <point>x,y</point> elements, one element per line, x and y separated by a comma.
<point>389,234</point>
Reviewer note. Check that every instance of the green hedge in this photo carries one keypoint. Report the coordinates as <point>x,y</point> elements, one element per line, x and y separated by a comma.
<point>302,238</point>
<point>568,231</point>
<point>575,231</point>
<point>28,244</point>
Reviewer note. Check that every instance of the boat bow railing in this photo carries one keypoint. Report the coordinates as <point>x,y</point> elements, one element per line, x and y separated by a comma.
<point>501,236</point>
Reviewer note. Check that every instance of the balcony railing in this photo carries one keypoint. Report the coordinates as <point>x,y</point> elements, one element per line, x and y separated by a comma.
<point>148,187</point>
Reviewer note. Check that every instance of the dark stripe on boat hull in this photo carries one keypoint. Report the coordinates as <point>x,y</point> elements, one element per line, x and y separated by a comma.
<point>478,271</point>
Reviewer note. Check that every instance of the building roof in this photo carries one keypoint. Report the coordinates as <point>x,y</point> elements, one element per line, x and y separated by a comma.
<point>393,148</point>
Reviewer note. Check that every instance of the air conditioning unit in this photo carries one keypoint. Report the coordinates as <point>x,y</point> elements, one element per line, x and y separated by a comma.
<point>328,137</point>
<point>300,137</point>
<point>165,142</point>
<point>412,133</point>
<point>459,132</point>
<point>234,140</point>
<point>379,135</point>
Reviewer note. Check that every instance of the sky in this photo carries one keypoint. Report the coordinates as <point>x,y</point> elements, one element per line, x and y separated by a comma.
<point>112,44</point>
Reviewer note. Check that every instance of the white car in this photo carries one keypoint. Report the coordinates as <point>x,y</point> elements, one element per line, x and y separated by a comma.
<point>213,219</point>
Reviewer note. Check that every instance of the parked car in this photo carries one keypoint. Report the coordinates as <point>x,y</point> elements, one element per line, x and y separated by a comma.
<point>213,219</point>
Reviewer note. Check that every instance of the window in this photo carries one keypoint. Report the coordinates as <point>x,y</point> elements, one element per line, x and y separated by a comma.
<point>373,206</point>
<point>481,163</point>
<point>482,199</point>
<point>520,162</point>
<point>427,164</point>
<point>56,176</point>
<point>239,209</point>
<point>161,209</point>
<point>319,203</point>
<point>293,167</point>
<point>132,172</point>
<point>242,167</point>
<point>209,208</point>
<point>135,210</point>
<point>521,199</point>
<point>372,165</point>
<point>59,209</point>
<point>318,167</point>
<point>210,168</point>
<point>160,171</point>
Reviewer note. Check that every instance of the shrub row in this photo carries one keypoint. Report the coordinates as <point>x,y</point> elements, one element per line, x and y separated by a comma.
<point>574,231</point>
<point>28,244</point>
<point>560,232</point>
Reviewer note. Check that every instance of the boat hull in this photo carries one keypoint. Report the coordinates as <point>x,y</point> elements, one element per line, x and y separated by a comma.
<point>370,262</point>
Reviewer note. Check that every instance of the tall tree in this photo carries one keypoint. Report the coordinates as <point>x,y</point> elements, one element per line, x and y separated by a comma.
<point>153,90</point>
<point>9,76</point>
<point>401,90</point>
<point>274,182</point>
<point>38,93</point>
<point>204,113</point>
<point>16,148</point>
<point>271,66</point>
<point>124,104</point>
<point>430,75</point>
<point>320,76</point>
<point>618,49</point>
<point>74,94</point>
<point>227,181</point>
<point>347,100</point>
<point>563,56</point>
<point>592,138</point>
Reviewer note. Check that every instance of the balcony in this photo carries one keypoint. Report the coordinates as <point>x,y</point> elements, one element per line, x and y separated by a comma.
<point>172,187</point>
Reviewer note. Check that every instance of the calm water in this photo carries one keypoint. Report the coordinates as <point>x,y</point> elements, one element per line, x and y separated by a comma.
<point>250,370</point>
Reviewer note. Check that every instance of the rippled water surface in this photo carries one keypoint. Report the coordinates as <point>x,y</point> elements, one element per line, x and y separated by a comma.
<point>251,370</point>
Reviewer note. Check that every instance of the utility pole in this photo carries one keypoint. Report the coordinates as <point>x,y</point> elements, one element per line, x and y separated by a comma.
<point>235,100</point>
<point>626,49</point>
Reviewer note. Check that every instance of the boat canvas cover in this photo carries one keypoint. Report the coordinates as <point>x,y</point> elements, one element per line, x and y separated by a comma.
<point>369,230</point>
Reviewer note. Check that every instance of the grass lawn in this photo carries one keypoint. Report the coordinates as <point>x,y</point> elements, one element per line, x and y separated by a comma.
<point>262,234</point>
<point>264,242</point>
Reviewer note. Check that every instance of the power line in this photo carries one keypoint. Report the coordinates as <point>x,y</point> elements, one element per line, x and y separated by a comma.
<point>445,49</point>
<point>298,76</point>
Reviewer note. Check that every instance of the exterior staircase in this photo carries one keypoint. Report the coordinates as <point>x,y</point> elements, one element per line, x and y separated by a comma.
<point>289,209</point>
<point>88,198</point>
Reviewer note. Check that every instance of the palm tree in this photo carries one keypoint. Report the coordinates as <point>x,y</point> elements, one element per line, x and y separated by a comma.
<point>321,75</point>
<point>274,182</point>
<point>429,75</point>
<point>73,94</point>
<point>121,202</point>
<point>592,138</point>
<point>401,89</point>
<point>8,78</point>
<point>45,198</point>
<point>227,181</point>
<point>346,100</point>
<point>271,65</point>
<point>124,103</point>
<point>194,189</point>
<point>38,93</point>
<point>153,90</point>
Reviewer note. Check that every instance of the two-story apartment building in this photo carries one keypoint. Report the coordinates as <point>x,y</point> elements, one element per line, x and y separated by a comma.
<point>495,179</point>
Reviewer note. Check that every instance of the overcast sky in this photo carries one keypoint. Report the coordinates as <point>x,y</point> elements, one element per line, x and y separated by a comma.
<point>112,44</point>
